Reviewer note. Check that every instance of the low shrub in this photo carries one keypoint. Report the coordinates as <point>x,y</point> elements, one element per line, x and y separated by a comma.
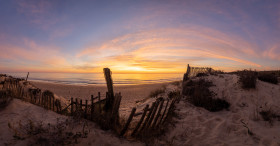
<point>201,74</point>
<point>177,83</point>
<point>61,133</point>
<point>157,92</point>
<point>269,115</point>
<point>268,77</point>
<point>173,94</point>
<point>5,97</point>
<point>248,79</point>
<point>200,96</point>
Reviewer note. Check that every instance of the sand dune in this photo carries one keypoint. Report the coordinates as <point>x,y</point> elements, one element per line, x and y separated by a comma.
<point>197,126</point>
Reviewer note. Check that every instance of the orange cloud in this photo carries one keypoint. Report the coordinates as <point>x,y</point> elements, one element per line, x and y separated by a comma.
<point>171,49</point>
<point>33,55</point>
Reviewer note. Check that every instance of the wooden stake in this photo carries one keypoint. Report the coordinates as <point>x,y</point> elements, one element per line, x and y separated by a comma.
<point>76,105</point>
<point>50,102</point>
<point>141,120</point>
<point>27,76</point>
<point>152,116</point>
<point>99,103</point>
<point>92,107</point>
<point>109,81</point>
<point>158,114</point>
<point>128,121</point>
<point>169,110</point>
<point>71,106</point>
<point>53,103</point>
<point>81,104</point>
<point>163,112</point>
<point>86,109</point>
<point>148,117</point>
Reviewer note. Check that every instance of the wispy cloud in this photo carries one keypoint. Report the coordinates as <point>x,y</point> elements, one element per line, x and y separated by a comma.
<point>171,49</point>
<point>36,55</point>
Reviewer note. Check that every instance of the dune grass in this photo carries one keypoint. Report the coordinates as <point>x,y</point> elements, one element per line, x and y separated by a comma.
<point>268,77</point>
<point>248,79</point>
<point>199,95</point>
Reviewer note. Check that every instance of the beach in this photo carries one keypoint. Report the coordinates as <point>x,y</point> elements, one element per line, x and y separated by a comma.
<point>131,94</point>
<point>241,124</point>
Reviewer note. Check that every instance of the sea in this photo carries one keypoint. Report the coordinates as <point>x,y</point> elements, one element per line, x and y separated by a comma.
<point>98,78</point>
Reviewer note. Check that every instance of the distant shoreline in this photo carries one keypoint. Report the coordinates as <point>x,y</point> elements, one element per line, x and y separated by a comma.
<point>98,79</point>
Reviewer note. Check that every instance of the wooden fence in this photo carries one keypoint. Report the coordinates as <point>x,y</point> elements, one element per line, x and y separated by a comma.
<point>18,88</point>
<point>152,118</point>
<point>94,109</point>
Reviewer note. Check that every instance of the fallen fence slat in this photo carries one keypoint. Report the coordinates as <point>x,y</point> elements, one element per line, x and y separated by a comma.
<point>86,109</point>
<point>92,107</point>
<point>128,122</point>
<point>163,113</point>
<point>148,117</point>
<point>170,107</point>
<point>71,106</point>
<point>141,120</point>
<point>153,114</point>
<point>99,102</point>
<point>158,114</point>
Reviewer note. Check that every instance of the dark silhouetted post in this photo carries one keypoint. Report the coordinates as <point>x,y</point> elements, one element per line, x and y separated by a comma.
<point>158,114</point>
<point>99,103</point>
<point>128,121</point>
<point>109,81</point>
<point>86,109</point>
<point>141,120</point>
<point>71,106</point>
<point>163,112</point>
<point>27,76</point>
<point>92,107</point>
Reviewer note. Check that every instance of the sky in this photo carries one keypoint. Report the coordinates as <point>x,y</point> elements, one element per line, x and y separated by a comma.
<point>138,36</point>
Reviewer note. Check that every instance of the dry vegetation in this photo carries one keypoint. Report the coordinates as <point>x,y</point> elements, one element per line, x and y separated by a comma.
<point>157,92</point>
<point>199,95</point>
<point>64,132</point>
<point>269,115</point>
<point>5,98</point>
<point>268,77</point>
<point>248,79</point>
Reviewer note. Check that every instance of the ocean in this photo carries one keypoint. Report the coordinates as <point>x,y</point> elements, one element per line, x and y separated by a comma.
<point>98,78</point>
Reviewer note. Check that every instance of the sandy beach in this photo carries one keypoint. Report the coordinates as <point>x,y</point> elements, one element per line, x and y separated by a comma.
<point>130,93</point>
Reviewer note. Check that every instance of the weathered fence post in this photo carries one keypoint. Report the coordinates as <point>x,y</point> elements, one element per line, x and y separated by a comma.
<point>76,105</point>
<point>71,106</point>
<point>128,122</point>
<point>86,109</point>
<point>109,81</point>
<point>148,117</point>
<point>141,120</point>
<point>50,102</point>
<point>163,113</point>
<point>92,107</point>
<point>81,105</point>
<point>169,110</point>
<point>27,76</point>
<point>158,114</point>
<point>53,103</point>
<point>99,103</point>
<point>153,114</point>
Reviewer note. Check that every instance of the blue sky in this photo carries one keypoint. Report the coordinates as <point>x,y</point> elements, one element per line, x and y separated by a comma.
<point>138,36</point>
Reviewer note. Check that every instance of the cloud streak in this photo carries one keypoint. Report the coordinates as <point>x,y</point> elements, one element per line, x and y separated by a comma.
<point>171,49</point>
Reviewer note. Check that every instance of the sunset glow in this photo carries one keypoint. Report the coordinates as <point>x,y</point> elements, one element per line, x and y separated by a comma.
<point>138,36</point>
